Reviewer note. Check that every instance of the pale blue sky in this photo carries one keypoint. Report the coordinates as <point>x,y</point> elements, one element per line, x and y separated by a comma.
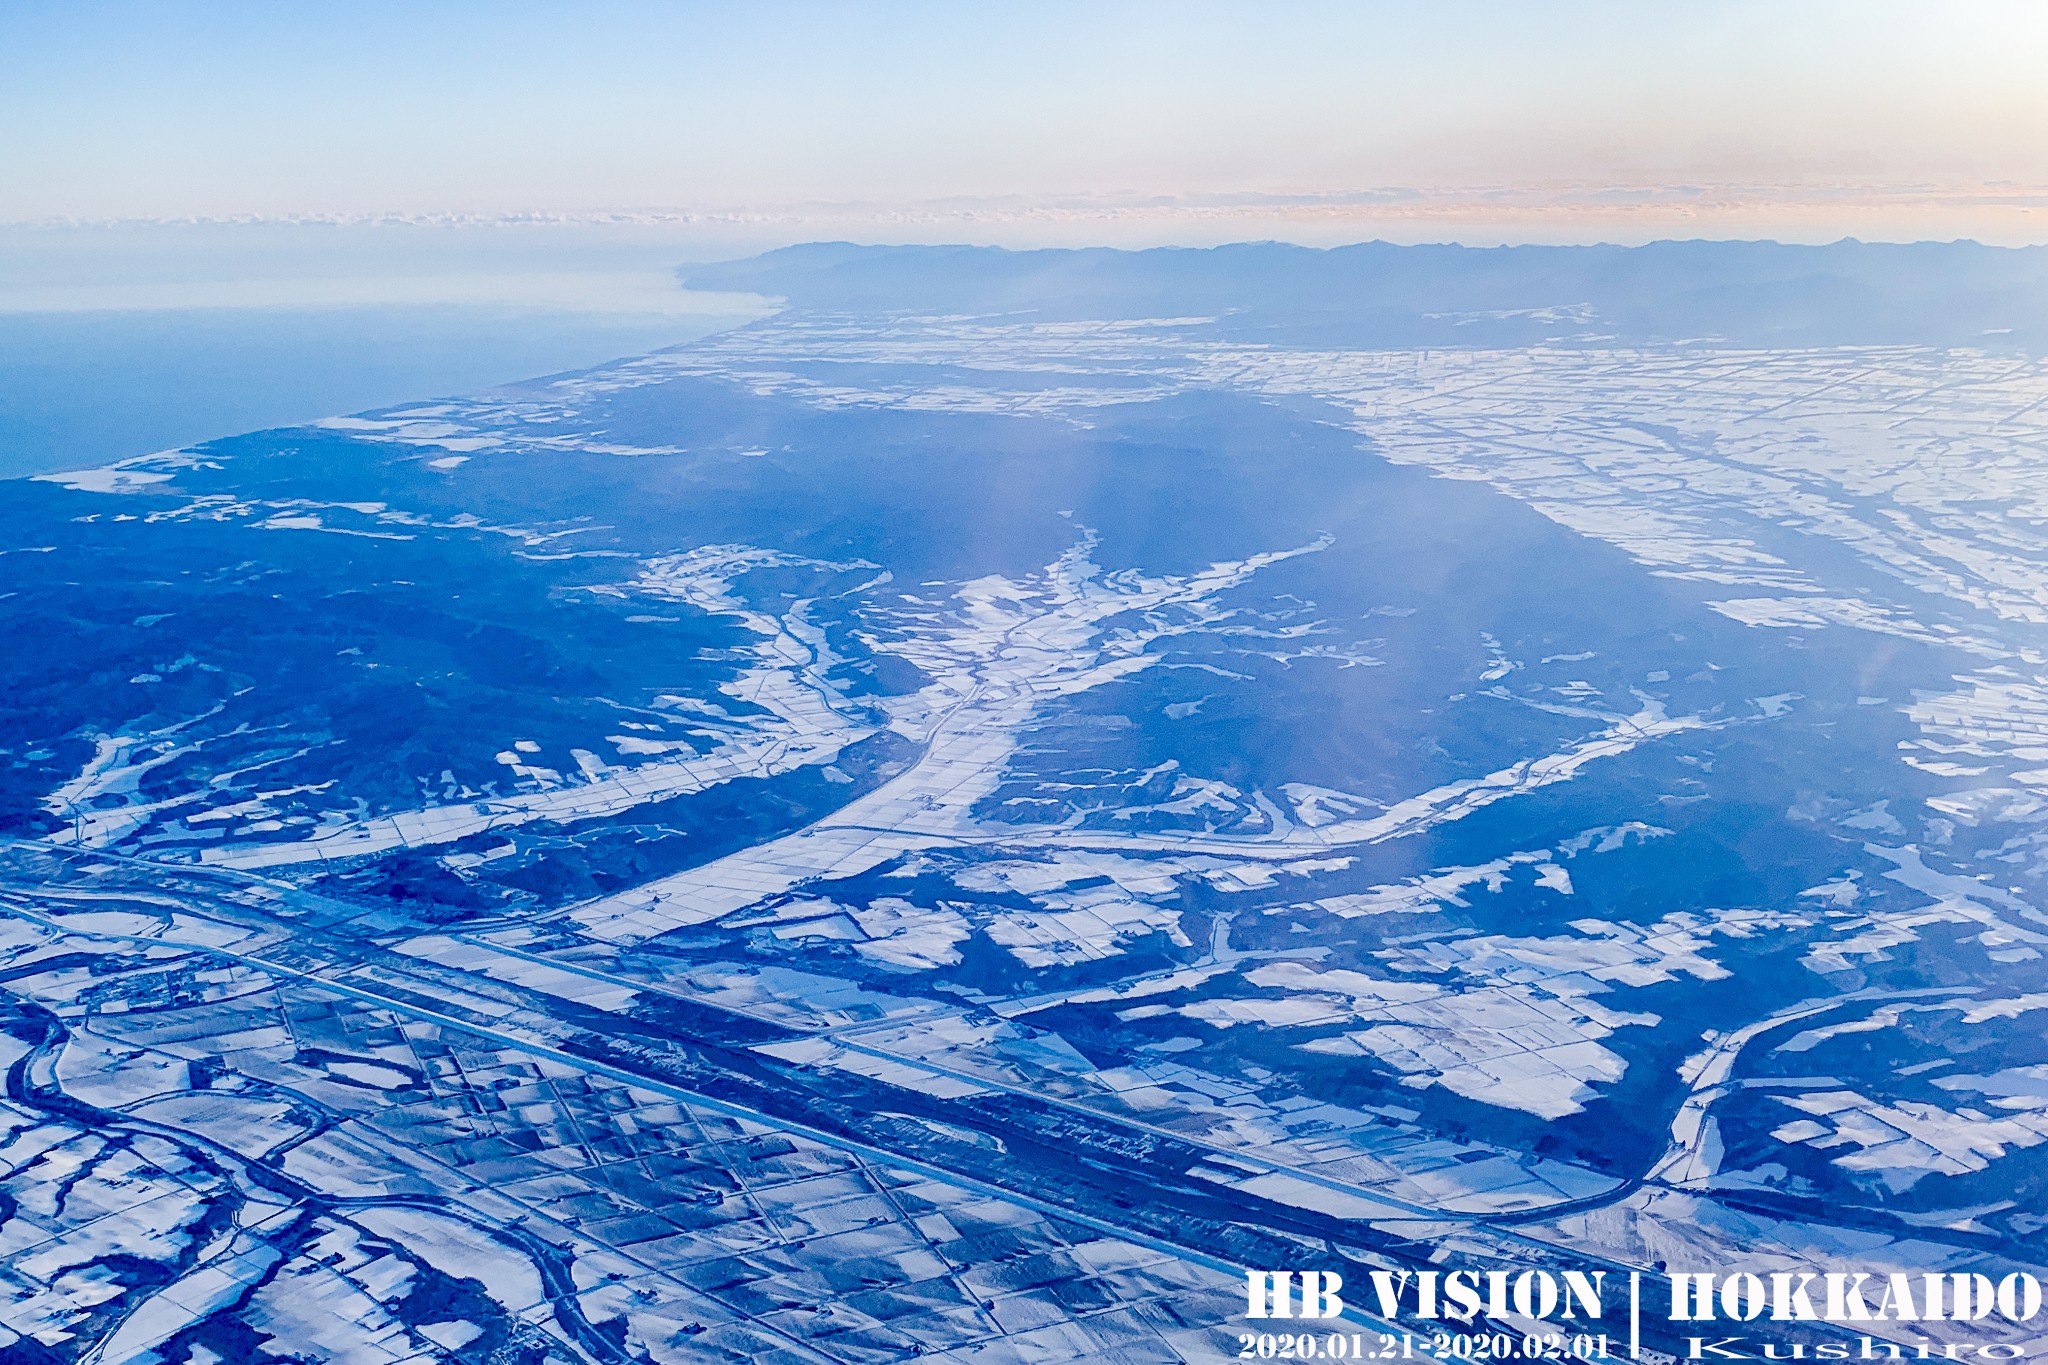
<point>229,108</point>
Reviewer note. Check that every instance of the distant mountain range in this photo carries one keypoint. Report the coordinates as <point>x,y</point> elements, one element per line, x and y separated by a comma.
<point>1379,294</point>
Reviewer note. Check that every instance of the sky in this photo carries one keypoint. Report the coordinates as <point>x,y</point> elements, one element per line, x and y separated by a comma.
<point>1111,120</point>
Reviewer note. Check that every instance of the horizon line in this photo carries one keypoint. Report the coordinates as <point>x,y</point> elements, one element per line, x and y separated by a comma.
<point>2003,214</point>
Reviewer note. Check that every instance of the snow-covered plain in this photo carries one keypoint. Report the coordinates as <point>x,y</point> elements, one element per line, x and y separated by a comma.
<point>860,794</point>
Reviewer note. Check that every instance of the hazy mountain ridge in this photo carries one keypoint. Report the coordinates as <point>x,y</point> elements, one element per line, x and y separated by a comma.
<point>1381,294</point>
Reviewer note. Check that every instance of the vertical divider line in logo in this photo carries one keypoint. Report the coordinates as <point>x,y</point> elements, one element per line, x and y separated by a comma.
<point>1635,1314</point>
